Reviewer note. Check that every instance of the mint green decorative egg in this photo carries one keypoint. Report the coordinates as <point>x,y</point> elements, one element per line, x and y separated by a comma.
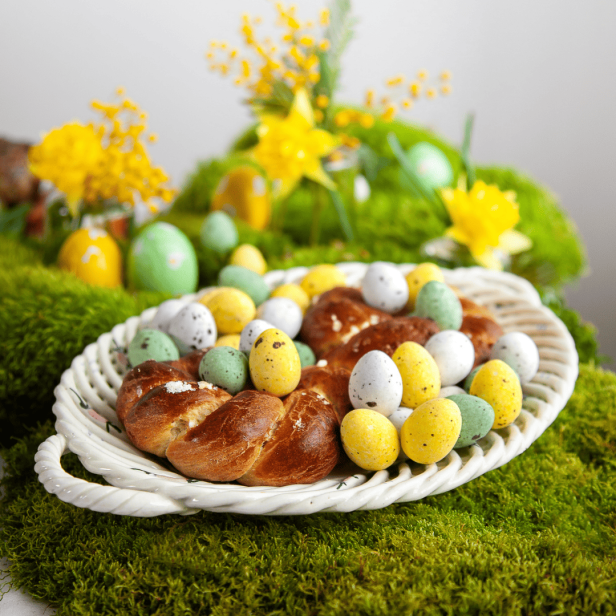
<point>219,232</point>
<point>161,258</point>
<point>431,166</point>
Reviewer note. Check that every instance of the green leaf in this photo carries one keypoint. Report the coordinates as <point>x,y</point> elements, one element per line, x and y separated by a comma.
<point>370,162</point>
<point>347,229</point>
<point>13,221</point>
<point>339,34</point>
<point>466,148</point>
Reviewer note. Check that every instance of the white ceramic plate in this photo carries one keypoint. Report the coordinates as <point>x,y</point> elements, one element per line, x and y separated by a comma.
<point>141,486</point>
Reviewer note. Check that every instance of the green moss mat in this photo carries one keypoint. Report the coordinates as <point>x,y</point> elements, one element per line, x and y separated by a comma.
<point>534,537</point>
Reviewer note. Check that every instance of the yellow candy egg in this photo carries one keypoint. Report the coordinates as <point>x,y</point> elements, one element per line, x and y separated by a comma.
<point>499,386</point>
<point>243,193</point>
<point>249,256</point>
<point>322,278</point>
<point>230,340</point>
<point>232,310</point>
<point>421,379</point>
<point>294,292</point>
<point>274,363</point>
<point>369,439</point>
<point>208,295</point>
<point>93,256</point>
<point>431,431</point>
<point>424,272</point>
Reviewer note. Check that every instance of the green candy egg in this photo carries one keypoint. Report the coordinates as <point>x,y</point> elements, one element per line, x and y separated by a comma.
<point>438,302</point>
<point>151,344</point>
<point>161,258</point>
<point>477,419</point>
<point>219,232</point>
<point>431,166</point>
<point>306,355</point>
<point>226,368</point>
<point>246,280</point>
<point>469,379</point>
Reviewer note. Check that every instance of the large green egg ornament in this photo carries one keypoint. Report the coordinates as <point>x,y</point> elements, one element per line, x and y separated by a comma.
<point>161,258</point>
<point>431,166</point>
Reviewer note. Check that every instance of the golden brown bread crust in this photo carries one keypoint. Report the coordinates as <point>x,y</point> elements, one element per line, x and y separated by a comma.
<point>483,333</point>
<point>386,336</point>
<point>471,309</point>
<point>293,457</point>
<point>189,363</point>
<point>337,316</point>
<point>332,383</point>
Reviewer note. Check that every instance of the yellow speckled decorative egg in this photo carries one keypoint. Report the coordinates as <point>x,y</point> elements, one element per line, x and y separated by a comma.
<point>230,340</point>
<point>212,293</point>
<point>499,386</point>
<point>369,439</point>
<point>322,278</point>
<point>294,292</point>
<point>232,310</point>
<point>421,379</point>
<point>431,431</point>
<point>93,256</point>
<point>424,272</point>
<point>274,363</point>
<point>243,193</point>
<point>249,256</point>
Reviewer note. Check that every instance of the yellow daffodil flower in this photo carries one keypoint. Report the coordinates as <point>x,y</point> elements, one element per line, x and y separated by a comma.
<point>483,220</point>
<point>290,148</point>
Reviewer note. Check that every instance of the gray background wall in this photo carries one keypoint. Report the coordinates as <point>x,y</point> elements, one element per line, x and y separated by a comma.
<point>540,76</point>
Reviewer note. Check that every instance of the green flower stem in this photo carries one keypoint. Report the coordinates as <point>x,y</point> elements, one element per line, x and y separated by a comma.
<point>319,200</point>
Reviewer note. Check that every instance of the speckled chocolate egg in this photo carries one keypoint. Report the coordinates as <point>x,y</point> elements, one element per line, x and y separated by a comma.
<point>376,383</point>
<point>161,258</point>
<point>294,292</point>
<point>151,344</point>
<point>193,328</point>
<point>306,354</point>
<point>245,280</point>
<point>438,302</point>
<point>499,386</point>
<point>431,431</point>
<point>450,390</point>
<point>384,287</point>
<point>468,381</point>
<point>519,351</point>
<point>232,310</point>
<point>251,332</point>
<point>247,255</point>
<point>283,313</point>
<point>454,355</point>
<point>274,363</point>
<point>226,368</point>
<point>230,340</point>
<point>398,418</point>
<point>322,278</point>
<point>421,380</point>
<point>418,277</point>
<point>477,419</point>
<point>218,232</point>
<point>166,311</point>
<point>369,439</point>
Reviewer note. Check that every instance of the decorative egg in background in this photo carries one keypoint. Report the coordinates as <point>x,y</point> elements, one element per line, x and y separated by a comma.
<point>218,232</point>
<point>92,255</point>
<point>243,193</point>
<point>161,258</point>
<point>431,166</point>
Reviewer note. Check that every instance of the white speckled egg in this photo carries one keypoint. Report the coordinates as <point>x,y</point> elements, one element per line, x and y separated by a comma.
<point>398,418</point>
<point>376,384</point>
<point>166,311</point>
<point>519,351</point>
<point>384,287</point>
<point>450,390</point>
<point>454,355</point>
<point>193,328</point>
<point>251,332</point>
<point>283,313</point>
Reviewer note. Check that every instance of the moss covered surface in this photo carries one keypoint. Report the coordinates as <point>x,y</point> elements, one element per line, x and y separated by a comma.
<point>534,537</point>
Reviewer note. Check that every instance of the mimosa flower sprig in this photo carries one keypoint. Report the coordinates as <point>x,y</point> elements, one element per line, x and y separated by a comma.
<point>101,163</point>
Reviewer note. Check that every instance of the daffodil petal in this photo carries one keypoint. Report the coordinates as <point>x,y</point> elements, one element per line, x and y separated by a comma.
<point>488,259</point>
<point>318,175</point>
<point>514,242</point>
<point>302,107</point>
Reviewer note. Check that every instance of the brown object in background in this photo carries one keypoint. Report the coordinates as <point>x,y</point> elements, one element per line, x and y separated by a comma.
<point>483,332</point>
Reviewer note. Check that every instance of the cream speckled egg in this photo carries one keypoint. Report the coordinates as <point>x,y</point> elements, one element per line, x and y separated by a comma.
<point>249,256</point>
<point>294,292</point>
<point>431,431</point>
<point>454,355</point>
<point>450,390</point>
<point>274,363</point>
<point>499,386</point>
<point>369,439</point>
<point>282,313</point>
<point>376,383</point>
<point>416,279</point>
<point>232,310</point>
<point>193,328</point>
<point>322,278</point>
<point>519,351</point>
<point>251,332</point>
<point>421,380</point>
<point>384,287</point>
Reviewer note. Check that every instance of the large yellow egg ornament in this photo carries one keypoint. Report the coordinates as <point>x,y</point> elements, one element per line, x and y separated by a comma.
<point>93,256</point>
<point>243,193</point>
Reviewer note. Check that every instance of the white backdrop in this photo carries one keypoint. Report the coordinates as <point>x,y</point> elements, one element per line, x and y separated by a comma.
<point>539,75</point>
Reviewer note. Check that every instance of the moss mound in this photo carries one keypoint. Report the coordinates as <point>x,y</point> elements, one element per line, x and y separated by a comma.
<point>534,537</point>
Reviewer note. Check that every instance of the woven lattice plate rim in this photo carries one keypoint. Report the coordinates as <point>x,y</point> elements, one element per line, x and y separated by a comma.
<point>143,486</point>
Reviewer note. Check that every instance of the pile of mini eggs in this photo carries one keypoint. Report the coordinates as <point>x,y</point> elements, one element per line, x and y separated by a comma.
<point>418,404</point>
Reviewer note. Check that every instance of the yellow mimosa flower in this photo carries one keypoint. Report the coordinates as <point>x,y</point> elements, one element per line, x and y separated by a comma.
<point>290,148</point>
<point>483,220</point>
